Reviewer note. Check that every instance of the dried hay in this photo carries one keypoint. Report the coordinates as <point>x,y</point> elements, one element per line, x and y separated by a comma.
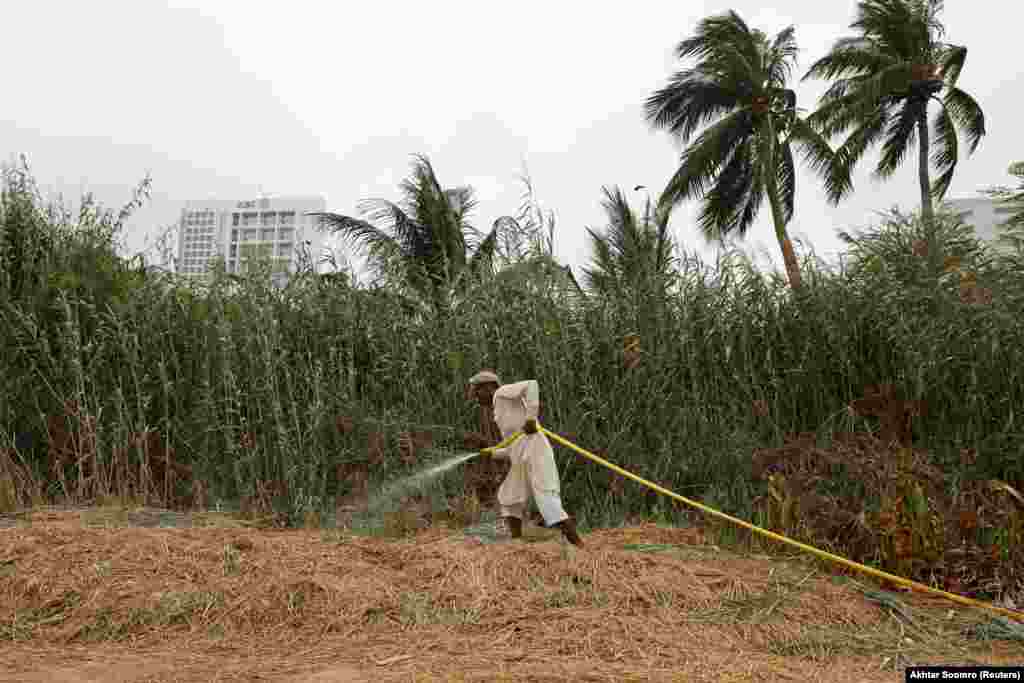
<point>435,606</point>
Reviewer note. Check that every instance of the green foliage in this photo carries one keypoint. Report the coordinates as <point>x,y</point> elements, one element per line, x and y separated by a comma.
<point>633,255</point>
<point>738,92</point>
<point>425,245</point>
<point>265,393</point>
<point>883,80</point>
<point>60,272</point>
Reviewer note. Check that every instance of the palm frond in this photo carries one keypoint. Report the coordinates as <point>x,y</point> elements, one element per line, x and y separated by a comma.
<point>750,205</point>
<point>354,231</point>
<point>945,153</point>
<point>692,99</point>
<point>421,245</point>
<point>462,201</point>
<point>393,220</point>
<point>786,180</point>
<point>631,253</point>
<point>893,80</point>
<point>725,46</point>
<point>951,63</point>
<point>900,134</point>
<point>784,51</point>
<point>726,206</point>
<point>867,135</point>
<point>713,34</point>
<point>852,100</point>
<point>702,159</point>
<point>850,56</point>
<point>482,259</point>
<point>604,272</point>
<point>822,159</point>
<point>894,25</point>
<point>444,242</point>
<point>423,171</point>
<point>967,114</point>
<point>622,231</point>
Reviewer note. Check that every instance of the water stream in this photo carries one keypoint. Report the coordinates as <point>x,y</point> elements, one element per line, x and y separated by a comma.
<point>403,487</point>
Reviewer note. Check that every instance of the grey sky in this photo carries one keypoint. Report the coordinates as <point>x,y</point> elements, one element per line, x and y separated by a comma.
<point>218,98</point>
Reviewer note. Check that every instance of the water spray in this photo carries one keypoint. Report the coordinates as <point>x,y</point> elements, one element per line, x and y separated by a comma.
<point>413,481</point>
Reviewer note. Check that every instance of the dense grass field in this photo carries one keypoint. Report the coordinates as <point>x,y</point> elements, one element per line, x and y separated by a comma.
<point>124,384</point>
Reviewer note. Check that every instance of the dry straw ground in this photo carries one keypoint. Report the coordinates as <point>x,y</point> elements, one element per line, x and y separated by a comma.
<point>84,596</point>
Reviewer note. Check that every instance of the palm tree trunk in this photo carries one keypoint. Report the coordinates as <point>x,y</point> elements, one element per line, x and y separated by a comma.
<point>927,208</point>
<point>772,185</point>
<point>788,253</point>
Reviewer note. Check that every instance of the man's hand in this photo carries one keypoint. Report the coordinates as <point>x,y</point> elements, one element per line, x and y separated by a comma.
<point>530,427</point>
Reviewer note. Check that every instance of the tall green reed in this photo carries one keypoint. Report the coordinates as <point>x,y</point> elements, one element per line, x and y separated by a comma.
<point>206,364</point>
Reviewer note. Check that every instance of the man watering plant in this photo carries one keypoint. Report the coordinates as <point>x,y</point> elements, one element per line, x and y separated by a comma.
<point>481,388</point>
<point>533,475</point>
<point>485,474</point>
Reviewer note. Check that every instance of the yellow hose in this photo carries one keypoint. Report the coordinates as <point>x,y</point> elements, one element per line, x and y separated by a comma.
<point>1013,614</point>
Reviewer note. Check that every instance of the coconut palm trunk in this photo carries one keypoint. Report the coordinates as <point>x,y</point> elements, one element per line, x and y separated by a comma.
<point>927,207</point>
<point>778,215</point>
<point>788,253</point>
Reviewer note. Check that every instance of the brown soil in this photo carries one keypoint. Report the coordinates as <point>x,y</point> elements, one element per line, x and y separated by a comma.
<point>81,602</point>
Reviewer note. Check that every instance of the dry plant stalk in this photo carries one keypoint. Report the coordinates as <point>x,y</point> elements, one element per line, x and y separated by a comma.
<point>18,487</point>
<point>411,443</point>
<point>974,542</point>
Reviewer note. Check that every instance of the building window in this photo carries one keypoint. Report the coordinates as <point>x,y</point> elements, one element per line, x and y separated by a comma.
<point>269,218</point>
<point>267,234</point>
<point>234,219</point>
<point>284,249</point>
<point>287,218</point>
<point>287,233</point>
<point>249,236</point>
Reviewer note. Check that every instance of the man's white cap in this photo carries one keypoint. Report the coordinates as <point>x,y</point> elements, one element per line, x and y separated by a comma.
<point>484,376</point>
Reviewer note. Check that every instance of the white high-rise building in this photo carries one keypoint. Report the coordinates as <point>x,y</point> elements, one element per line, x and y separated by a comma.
<point>985,215</point>
<point>274,227</point>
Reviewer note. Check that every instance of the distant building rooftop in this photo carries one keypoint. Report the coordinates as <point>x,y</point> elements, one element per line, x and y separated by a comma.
<point>274,227</point>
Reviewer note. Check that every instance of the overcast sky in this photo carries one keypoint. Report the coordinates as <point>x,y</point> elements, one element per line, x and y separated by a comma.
<point>219,98</point>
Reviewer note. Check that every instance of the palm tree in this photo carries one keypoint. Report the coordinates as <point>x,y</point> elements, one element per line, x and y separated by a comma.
<point>739,82</point>
<point>633,255</point>
<point>424,245</point>
<point>883,81</point>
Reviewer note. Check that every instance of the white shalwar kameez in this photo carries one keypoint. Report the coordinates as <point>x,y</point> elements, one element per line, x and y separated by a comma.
<point>533,474</point>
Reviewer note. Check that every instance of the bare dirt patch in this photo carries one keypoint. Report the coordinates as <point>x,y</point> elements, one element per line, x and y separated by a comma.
<point>83,601</point>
